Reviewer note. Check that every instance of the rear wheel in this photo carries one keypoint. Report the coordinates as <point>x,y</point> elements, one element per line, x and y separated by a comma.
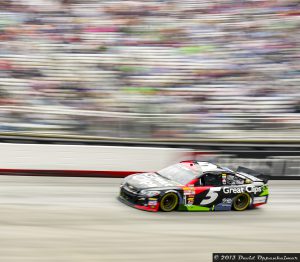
<point>241,202</point>
<point>169,202</point>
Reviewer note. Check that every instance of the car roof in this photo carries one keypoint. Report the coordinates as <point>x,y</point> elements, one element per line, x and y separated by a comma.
<point>207,167</point>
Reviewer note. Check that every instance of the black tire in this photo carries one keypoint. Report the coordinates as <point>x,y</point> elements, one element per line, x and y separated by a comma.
<point>169,202</point>
<point>241,202</point>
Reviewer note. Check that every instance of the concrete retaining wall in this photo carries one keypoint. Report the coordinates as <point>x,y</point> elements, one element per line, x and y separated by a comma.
<point>111,159</point>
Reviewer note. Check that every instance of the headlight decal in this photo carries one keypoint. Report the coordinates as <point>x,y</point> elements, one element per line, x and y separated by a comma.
<point>150,193</point>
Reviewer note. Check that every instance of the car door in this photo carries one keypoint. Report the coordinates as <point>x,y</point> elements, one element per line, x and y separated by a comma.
<point>208,189</point>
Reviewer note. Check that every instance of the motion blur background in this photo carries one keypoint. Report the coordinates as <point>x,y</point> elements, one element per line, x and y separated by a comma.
<point>218,78</point>
<point>152,69</point>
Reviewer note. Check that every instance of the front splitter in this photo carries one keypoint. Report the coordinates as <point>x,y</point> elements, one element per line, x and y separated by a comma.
<point>145,208</point>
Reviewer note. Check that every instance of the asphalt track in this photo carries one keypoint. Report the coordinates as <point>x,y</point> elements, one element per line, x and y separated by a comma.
<point>80,219</point>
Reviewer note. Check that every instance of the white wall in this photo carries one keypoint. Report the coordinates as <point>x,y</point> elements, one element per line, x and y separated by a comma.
<point>81,157</point>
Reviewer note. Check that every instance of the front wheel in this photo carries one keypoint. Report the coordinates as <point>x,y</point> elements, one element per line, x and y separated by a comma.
<point>169,202</point>
<point>241,202</point>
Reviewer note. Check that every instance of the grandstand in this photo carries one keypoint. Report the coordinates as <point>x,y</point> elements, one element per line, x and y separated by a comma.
<point>150,69</point>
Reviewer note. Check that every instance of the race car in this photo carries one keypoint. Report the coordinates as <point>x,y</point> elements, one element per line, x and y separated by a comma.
<point>195,186</point>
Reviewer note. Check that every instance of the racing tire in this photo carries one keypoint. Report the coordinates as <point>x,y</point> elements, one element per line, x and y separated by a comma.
<point>169,202</point>
<point>241,202</point>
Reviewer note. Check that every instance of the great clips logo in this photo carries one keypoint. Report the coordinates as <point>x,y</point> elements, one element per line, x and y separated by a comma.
<point>237,190</point>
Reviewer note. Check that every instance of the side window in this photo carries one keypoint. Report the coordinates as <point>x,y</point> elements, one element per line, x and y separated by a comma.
<point>232,179</point>
<point>211,180</point>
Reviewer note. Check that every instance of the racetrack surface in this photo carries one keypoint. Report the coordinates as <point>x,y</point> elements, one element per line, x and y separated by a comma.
<point>80,219</point>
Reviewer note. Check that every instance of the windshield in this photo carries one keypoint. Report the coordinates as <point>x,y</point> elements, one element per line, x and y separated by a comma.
<point>178,173</point>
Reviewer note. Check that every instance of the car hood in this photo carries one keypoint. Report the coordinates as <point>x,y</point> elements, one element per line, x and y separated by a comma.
<point>149,180</point>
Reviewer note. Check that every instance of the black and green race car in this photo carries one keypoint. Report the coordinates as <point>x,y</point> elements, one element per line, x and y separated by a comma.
<point>195,186</point>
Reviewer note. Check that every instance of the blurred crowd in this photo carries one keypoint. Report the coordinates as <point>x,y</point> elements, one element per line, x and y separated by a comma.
<point>151,69</point>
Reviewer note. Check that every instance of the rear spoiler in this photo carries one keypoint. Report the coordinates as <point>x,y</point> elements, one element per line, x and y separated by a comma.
<point>254,174</point>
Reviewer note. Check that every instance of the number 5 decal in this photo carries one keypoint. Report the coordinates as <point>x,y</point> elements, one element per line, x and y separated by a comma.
<point>212,196</point>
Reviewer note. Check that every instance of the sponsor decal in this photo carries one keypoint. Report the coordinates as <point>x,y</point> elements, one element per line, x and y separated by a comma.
<point>222,207</point>
<point>224,179</point>
<point>247,189</point>
<point>188,191</point>
<point>152,203</point>
<point>259,200</point>
<point>152,198</point>
<point>189,200</point>
<point>227,201</point>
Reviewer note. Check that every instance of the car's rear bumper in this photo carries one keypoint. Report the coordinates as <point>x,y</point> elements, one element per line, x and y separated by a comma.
<point>260,200</point>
